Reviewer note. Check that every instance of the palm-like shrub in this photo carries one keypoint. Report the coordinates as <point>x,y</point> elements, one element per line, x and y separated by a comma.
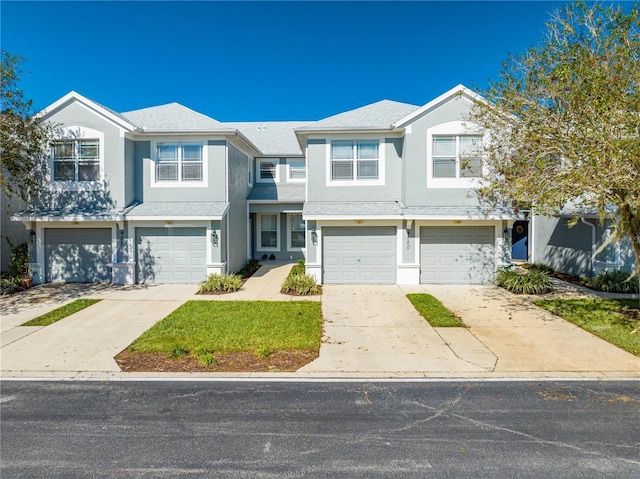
<point>301,284</point>
<point>531,282</point>
<point>614,282</point>
<point>221,283</point>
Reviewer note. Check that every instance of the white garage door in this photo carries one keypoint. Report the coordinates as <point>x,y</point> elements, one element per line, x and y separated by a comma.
<point>170,255</point>
<point>457,254</point>
<point>78,255</point>
<point>359,255</point>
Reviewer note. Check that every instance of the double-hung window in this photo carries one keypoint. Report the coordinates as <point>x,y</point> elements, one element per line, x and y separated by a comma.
<point>267,170</point>
<point>76,160</point>
<point>457,156</point>
<point>296,231</point>
<point>179,162</point>
<point>354,160</point>
<point>297,170</point>
<point>268,232</point>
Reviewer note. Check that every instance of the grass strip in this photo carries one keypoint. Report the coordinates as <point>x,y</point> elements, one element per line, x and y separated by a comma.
<point>198,327</point>
<point>61,312</point>
<point>434,312</point>
<point>601,317</point>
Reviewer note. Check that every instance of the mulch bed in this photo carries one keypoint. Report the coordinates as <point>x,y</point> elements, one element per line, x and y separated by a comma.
<point>226,362</point>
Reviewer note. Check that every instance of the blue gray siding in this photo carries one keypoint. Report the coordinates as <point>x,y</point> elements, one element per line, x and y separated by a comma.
<point>237,215</point>
<point>113,194</point>
<point>415,188</point>
<point>317,189</point>
<point>568,248</point>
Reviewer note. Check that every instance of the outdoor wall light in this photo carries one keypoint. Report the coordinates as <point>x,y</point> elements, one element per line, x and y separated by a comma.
<point>214,238</point>
<point>32,236</point>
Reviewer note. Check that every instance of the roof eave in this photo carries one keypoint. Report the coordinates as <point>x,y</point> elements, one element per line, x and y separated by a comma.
<point>457,90</point>
<point>71,96</point>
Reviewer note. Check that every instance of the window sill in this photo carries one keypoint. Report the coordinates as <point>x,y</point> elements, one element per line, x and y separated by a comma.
<point>179,184</point>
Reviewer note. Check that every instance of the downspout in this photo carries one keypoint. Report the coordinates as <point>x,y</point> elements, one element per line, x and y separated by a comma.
<point>593,244</point>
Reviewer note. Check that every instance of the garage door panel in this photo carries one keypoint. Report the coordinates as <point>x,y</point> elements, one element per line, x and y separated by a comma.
<point>459,254</point>
<point>359,255</point>
<point>78,255</point>
<point>171,255</point>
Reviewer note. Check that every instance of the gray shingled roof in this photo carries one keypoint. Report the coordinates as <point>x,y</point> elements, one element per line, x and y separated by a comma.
<point>278,192</point>
<point>271,137</point>
<point>369,208</point>
<point>190,209</point>
<point>173,117</point>
<point>379,115</point>
<point>461,212</point>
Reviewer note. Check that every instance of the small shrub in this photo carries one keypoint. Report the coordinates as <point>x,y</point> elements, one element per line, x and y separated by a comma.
<point>18,259</point>
<point>178,352</point>
<point>614,282</point>
<point>531,282</point>
<point>264,352</point>
<point>221,283</point>
<point>10,285</point>
<point>300,284</point>
<point>248,269</point>
<point>207,359</point>
<point>298,268</point>
<point>542,268</point>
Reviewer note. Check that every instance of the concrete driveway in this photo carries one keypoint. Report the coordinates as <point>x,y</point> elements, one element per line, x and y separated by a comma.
<point>88,340</point>
<point>530,341</point>
<point>369,331</point>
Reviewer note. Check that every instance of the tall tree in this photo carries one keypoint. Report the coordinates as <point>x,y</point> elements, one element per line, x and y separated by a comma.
<point>24,139</point>
<point>564,119</point>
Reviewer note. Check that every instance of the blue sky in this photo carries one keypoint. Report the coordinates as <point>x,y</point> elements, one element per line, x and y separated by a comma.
<point>246,61</point>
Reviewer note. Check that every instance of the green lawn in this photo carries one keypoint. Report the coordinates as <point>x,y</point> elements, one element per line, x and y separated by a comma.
<point>600,317</point>
<point>434,312</point>
<point>201,327</point>
<point>62,312</point>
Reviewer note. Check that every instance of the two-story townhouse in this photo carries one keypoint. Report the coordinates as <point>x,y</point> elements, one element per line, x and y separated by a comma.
<point>391,196</point>
<point>381,194</point>
<point>152,195</point>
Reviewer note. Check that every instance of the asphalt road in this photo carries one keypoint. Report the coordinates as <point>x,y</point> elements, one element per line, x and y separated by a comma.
<point>320,430</point>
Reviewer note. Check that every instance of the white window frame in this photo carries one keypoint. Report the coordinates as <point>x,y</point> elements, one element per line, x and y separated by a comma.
<point>355,181</point>
<point>259,246</point>
<point>290,169</point>
<point>74,133</point>
<point>276,176</point>
<point>290,247</point>
<point>179,184</point>
<point>452,128</point>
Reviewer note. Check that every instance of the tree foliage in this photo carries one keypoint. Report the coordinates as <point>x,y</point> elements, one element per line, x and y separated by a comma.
<point>24,139</point>
<point>564,120</point>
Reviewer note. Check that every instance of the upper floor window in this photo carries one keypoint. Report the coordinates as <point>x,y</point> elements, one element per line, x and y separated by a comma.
<point>297,170</point>
<point>267,171</point>
<point>457,156</point>
<point>354,160</point>
<point>76,160</point>
<point>179,162</point>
